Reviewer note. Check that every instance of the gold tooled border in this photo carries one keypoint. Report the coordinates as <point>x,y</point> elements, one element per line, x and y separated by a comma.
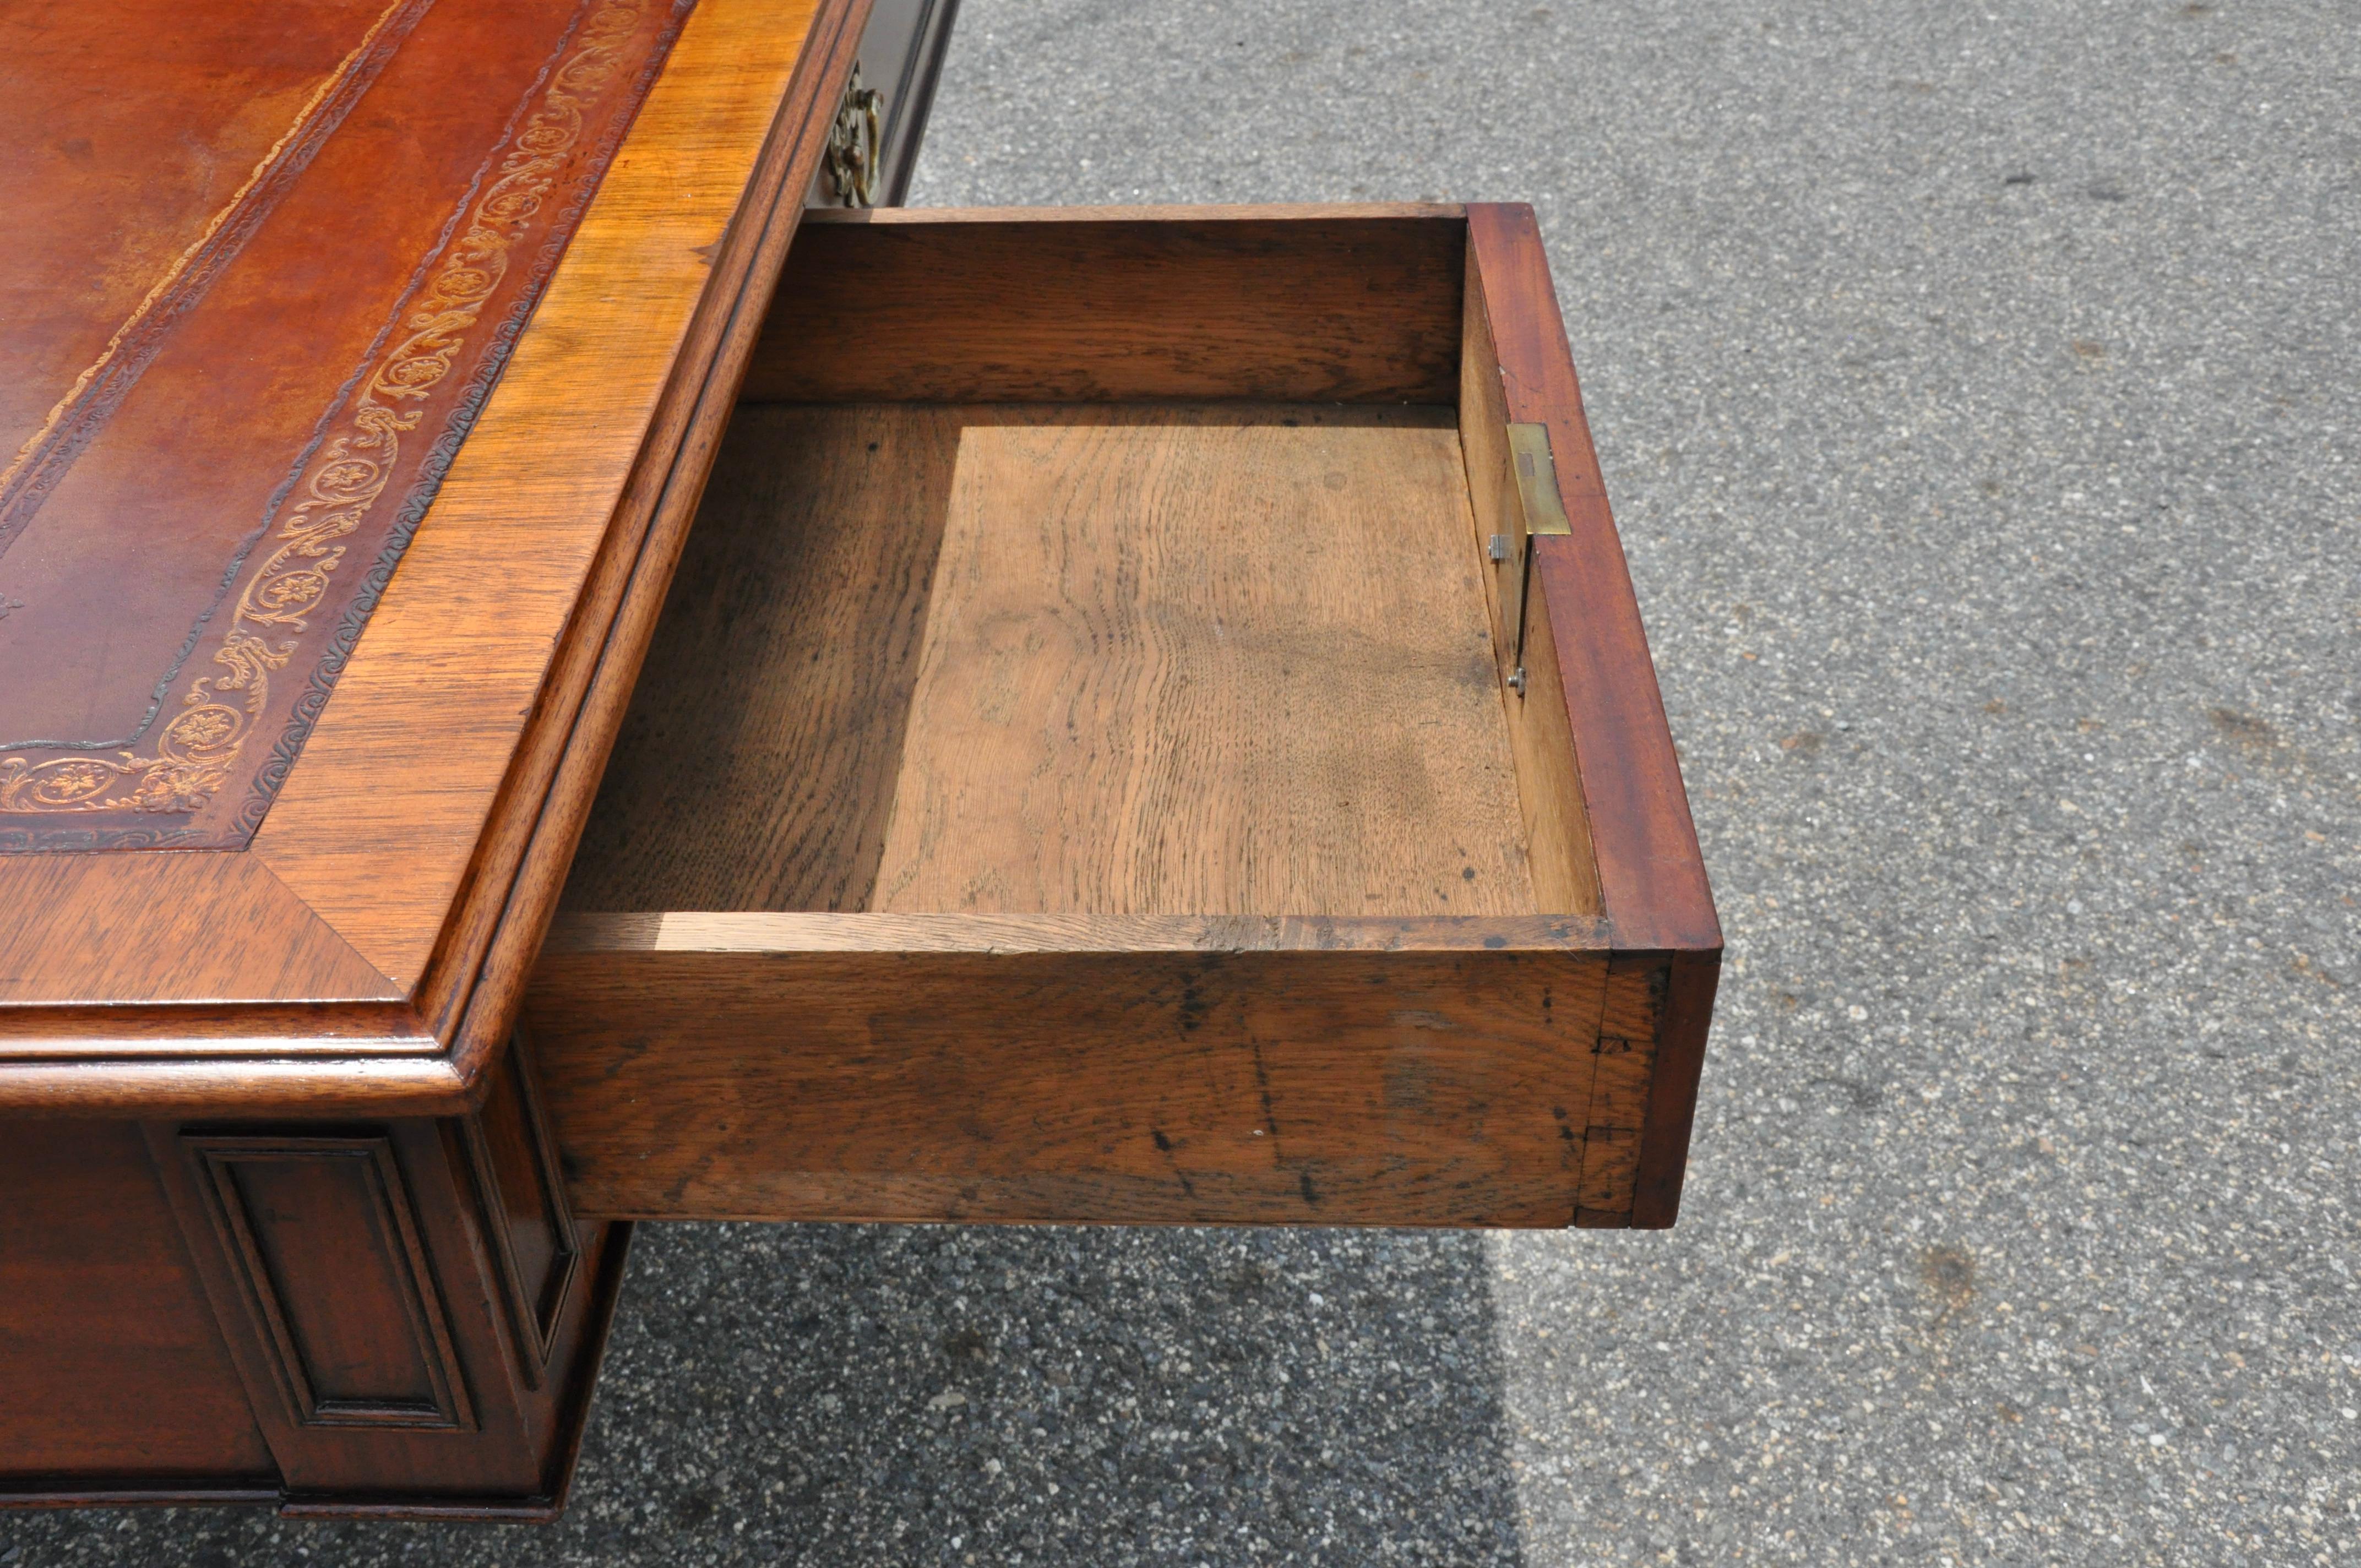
<point>197,750</point>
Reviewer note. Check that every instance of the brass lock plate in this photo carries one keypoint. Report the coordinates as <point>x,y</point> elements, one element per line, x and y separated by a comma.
<point>1539,509</point>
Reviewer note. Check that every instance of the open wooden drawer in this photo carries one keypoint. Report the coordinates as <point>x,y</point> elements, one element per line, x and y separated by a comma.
<point>1151,724</point>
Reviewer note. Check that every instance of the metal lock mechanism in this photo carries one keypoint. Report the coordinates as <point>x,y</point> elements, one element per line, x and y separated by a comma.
<point>1539,509</point>
<point>856,144</point>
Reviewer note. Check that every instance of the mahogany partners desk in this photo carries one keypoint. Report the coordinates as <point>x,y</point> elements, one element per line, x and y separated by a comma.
<point>1151,723</point>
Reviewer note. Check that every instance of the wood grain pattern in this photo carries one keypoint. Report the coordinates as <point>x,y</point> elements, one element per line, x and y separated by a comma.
<point>1416,1071</point>
<point>521,868</point>
<point>211,927</point>
<point>579,935</point>
<point>1629,1013</point>
<point>788,651</point>
<point>1691,980</point>
<point>1203,670</point>
<point>108,1352</point>
<point>770,712</point>
<point>580,1349</point>
<point>1652,877</point>
<point>1267,304</point>
<point>1549,786</point>
<point>393,1419</point>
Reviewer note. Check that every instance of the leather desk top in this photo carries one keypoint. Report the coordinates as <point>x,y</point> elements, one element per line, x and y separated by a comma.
<point>357,362</point>
<point>241,355</point>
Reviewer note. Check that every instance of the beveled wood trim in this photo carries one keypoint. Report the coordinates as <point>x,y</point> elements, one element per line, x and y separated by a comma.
<point>535,1322</point>
<point>202,1075</point>
<point>470,969</point>
<point>474,1004</point>
<point>1651,876</point>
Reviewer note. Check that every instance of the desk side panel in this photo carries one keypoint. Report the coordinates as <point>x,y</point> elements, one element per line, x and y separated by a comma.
<point>112,1372</point>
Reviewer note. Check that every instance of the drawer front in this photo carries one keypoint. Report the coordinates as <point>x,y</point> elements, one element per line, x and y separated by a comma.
<point>1161,734</point>
<point>1137,1069</point>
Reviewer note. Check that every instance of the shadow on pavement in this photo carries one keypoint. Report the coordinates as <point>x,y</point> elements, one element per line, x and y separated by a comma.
<point>896,1395</point>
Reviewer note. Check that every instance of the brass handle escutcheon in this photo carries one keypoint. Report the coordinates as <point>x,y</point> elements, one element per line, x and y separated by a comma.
<point>856,144</point>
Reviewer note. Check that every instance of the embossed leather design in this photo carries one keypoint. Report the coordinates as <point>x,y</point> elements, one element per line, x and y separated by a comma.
<point>266,263</point>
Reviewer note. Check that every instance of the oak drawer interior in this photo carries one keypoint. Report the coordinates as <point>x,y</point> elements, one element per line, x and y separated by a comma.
<point>1078,773</point>
<point>1072,659</point>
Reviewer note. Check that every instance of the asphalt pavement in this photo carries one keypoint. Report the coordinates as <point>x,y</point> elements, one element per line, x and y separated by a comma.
<point>1975,384</point>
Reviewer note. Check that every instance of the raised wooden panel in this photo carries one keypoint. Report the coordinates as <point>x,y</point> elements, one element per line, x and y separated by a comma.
<point>325,1242</point>
<point>512,1163</point>
<point>352,1272</point>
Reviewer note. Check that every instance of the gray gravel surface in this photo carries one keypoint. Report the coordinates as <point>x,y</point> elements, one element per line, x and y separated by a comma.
<point>1976,387</point>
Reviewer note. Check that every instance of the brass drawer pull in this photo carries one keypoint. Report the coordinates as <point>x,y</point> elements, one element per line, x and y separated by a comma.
<point>856,144</point>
